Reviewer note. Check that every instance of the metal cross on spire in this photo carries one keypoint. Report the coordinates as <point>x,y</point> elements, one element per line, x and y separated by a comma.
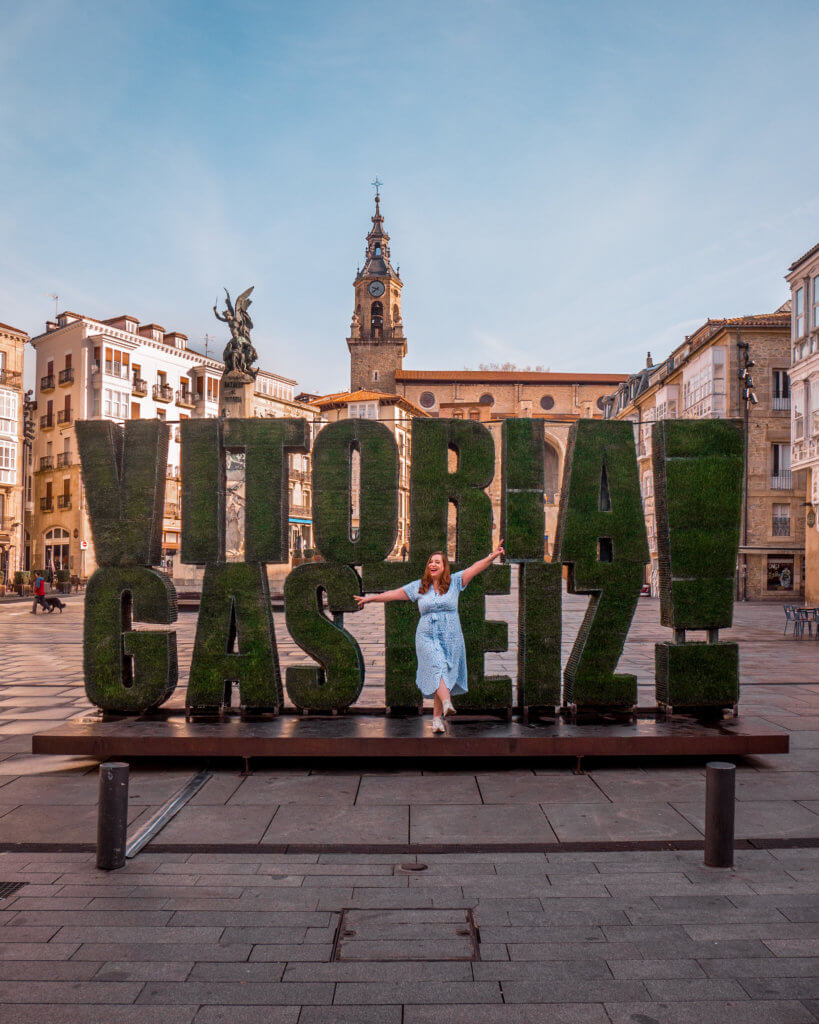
<point>377,186</point>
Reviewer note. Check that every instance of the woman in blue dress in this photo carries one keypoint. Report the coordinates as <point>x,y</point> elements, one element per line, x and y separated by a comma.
<point>439,641</point>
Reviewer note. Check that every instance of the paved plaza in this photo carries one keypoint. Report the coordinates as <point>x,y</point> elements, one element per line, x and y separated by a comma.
<point>586,892</point>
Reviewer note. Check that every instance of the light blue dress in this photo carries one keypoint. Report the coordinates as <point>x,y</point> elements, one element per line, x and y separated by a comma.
<point>439,641</point>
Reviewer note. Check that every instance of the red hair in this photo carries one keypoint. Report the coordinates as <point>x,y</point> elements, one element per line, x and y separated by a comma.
<point>446,576</point>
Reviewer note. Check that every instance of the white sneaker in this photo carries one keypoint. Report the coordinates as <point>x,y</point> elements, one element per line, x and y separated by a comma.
<point>438,725</point>
<point>449,709</point>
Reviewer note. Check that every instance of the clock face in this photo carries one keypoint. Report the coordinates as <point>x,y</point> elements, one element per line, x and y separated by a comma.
<point>376,288</point>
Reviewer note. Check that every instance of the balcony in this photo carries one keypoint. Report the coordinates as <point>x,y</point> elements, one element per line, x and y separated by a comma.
<point>781,481</point>
<point>139,387</point>
<point>64,460</point>
<point>781,526</point>
<point>778,402</point>
<point>11,379</point>
<point>185,399</point>
<point>162,393</point>
<point>66,376</point>
<point>47,383</point>
<point>63,416</point>
<point>47,421</point>
<point>114,369</point>
<point>63,501</point>
<point>172,473</point>
<point>173,511</point>
<point>46,462</point>
<point>47,504</point>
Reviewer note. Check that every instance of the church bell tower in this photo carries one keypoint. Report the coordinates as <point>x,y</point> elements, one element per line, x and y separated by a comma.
<point>377,344</point>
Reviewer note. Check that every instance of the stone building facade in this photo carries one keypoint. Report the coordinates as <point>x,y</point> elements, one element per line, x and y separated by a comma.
<point>12,467</point>
<point>702,379</point>
<point>803,278</point>
<point>119,369</point>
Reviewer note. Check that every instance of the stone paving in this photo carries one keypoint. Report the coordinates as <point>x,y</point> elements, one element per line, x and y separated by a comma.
<point>579,938</point>
<point>593,935</point>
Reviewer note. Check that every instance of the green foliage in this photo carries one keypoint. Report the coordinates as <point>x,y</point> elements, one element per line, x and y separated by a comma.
<point>522,516</point>
<point>400,624</point>
<point>338,682</point>
<point>589,677</point>
<point>433,487</point>
<point>698,470</point>
<point>332,462</point>
<point>63,575</point>
<point>267,443</point>
<point>235,642</point>
<point>129,671</point>
<point>539,633</point>
<point>21,577</point>
<point>203,493</point>
<point>601,457</point>
<point>601,513</point>
<point>697,674</point>
<point>124,476</point>
<point>482,636</point>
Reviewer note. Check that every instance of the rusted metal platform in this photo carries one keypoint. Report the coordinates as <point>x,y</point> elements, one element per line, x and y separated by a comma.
<point>381,736</point>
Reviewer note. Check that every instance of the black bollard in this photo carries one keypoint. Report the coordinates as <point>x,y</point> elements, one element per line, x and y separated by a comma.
<point>720,779</point>
<point>112,815</point>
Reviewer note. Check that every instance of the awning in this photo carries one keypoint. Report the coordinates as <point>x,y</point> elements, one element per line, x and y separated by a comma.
<point>296,519</point>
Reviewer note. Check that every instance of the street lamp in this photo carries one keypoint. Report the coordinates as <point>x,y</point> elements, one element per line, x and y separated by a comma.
<point>748,394</point>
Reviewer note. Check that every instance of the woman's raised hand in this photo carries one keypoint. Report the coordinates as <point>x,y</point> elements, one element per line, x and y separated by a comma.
<point>361,600</point>
<point>498,552</point>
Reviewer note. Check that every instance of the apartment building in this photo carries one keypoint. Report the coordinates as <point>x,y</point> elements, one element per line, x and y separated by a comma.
<point>121,369</point>
<point>12,469</point>
<point>803,278</point>
<point>702,379</point>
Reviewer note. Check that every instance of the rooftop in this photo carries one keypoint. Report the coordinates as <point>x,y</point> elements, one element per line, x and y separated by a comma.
<point>508,377</point>
<point>342,398</point>
<point>803,257</point>
<point>13,330</point>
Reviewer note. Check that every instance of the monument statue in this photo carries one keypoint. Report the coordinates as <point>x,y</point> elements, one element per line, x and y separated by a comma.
<point>239,354</point>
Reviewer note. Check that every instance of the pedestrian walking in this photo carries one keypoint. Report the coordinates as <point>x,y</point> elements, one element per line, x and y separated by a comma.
<point>404,552</point>
<point>439,640</point>
<point>39,594</point>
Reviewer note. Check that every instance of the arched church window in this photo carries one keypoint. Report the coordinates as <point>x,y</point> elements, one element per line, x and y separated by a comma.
<point>378,250</point>
<point>427,399</point>
<point>376,319</point>
<point>487,399</point>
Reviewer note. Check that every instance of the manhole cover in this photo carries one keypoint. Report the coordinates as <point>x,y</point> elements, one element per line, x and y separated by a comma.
<point>439,934</point>
<point>7,888</point>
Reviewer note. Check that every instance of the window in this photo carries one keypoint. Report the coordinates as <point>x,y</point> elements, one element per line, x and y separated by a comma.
<point>781,520</point>
<point>798,413</point>
<point>474,415</point>
<point>814,404</point>
<point>116,404</point>
<point>8,412</point>
<point>363,410</point>
<point>427,399</point>
<point>816,301</point>
<point>799,313</point>
<point>487,399</point>
<point>134,410</point>
<point>8,463</point>
<point>780,467</point>
<point>375,375</point>
<point>780,572</point>
<point>376,320</point>
<point>781,390</point>
<point>547,402</point>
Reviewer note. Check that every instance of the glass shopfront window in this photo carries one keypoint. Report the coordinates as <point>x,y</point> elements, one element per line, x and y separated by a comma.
<point>780,572</point>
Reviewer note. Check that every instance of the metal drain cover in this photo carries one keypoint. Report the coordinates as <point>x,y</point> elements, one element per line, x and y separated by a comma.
<point>389,934</point>
<point>8,888</point>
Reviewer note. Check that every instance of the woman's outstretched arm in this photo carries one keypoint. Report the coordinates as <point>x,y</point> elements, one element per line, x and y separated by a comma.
<point>388,595</point>
<point>481,564</point>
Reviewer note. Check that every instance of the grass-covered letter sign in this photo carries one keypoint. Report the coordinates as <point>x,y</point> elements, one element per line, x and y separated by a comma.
<point>601,541</point>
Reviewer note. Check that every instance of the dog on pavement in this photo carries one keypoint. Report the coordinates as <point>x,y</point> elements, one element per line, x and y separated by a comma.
<point>55,602</point>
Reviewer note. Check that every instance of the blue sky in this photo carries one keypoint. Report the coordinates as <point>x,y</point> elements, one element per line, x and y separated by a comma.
<point>565,184</point>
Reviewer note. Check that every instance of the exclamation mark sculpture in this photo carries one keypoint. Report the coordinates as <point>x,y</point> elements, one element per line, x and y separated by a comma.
<point>698,468</point>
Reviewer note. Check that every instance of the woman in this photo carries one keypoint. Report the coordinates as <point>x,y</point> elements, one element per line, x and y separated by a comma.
<point>439,641</point>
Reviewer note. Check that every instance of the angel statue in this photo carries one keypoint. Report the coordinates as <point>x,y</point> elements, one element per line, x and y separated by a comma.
<point>239,354</point>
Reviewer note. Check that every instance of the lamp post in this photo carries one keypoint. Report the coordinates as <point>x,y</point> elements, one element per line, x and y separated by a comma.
<point>748,396</point>
<point>29,405</point>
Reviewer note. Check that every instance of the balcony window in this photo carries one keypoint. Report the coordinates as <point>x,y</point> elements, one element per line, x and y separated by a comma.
<point>46,462</point>
<point>63,415</point>
<point>8,413</point>
<point>116,404</point>
<point>799,313</point>
<point>8,463</point>
<point>781,390</point>
<point>47,382</point>
<point>780,467</point>
<point>66,376</point>
<point>63,460</point>
<point>63,501</point>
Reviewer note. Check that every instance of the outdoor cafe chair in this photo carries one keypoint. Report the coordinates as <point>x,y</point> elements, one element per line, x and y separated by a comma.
<point>803,617</point>
<point>790,618</point>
